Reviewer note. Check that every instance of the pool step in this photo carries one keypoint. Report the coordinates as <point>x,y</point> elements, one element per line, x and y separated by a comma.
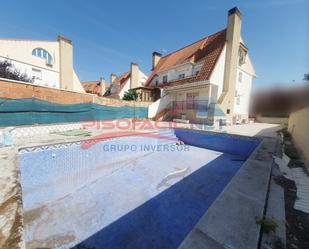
<point>165,132</point>
<point>166,137</point>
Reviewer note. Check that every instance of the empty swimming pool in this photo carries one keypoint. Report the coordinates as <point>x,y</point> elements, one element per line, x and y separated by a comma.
<point>130,192</point>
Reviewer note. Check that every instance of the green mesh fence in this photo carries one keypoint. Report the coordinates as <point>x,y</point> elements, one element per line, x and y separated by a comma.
<point>32,111</point>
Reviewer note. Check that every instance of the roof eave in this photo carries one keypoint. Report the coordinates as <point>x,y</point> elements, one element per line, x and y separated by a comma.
<point>187,85</point>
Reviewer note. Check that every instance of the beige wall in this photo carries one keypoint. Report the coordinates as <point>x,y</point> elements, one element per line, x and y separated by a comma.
<point>77,86</point>
<point>299,129</point>
<point>272,120</point>
<point>21,50</point>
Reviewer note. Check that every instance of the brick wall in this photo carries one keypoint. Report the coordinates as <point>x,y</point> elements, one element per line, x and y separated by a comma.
<point>18,90</point>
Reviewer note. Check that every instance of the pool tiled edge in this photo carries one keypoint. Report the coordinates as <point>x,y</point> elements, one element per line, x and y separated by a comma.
<point>231,220</point>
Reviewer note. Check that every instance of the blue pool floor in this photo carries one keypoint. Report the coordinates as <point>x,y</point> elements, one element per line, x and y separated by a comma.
<point>133,206</point>
<point>166,219</point>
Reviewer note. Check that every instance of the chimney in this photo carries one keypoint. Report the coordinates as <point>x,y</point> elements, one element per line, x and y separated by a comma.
<point>65,63</point>
<point>102,86</point>
<point>113,77</point>
<point>155,59</point>
<point>134,74</point>
<point>231,60</point>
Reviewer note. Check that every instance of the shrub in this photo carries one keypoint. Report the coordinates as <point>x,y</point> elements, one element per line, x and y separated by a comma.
<point>130,95</point>
<point>268,224</point>
<point>8,71</point>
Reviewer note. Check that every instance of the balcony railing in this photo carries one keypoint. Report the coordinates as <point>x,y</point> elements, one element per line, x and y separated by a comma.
<point>190,105</point>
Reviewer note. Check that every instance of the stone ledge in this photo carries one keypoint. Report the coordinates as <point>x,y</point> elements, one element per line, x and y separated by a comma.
<point>231,220</point>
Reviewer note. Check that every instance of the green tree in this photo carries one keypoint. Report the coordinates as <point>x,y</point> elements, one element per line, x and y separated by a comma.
<point>130,95</point>
<point>8,71</point>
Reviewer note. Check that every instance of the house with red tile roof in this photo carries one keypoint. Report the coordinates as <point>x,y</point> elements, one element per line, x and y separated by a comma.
<point>208,79</point>
<point>97,87</point>
<point>134,78</point>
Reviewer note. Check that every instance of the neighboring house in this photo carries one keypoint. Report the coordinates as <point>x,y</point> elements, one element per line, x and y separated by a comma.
<point>134,78</point>
<point>149,94</point>
<point>95,87</point>
<point>210,78</point>
<point>46,63</point>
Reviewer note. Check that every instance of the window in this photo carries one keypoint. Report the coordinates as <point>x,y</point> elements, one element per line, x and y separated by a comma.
<point>238,100</point>
<point>197,72</point>
<point>164,80</point>
<point>40,52</point>
<point>181,76</point>
<point>242,56</point>
<point>237,95</point>
<point>156,82</point>
<point>240,77</point>
<point>36,74</point>
<point>192,100</point>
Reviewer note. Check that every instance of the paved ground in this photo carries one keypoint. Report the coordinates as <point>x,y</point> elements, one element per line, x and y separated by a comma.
<point>255,129</point>
<point>251,129</point>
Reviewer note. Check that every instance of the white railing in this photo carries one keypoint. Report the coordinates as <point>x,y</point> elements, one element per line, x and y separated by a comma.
<point>158,106</point>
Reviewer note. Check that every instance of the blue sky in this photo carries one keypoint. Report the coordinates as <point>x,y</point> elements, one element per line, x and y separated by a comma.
<point>108,35</point>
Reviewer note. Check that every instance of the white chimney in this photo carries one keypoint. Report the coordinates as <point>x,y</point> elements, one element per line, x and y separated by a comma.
<point>65,63</point>
<point>113,77</point>
<point>231,60</point>
<point>155,59</point>
<point>102,86</point>
<point>134,76</point>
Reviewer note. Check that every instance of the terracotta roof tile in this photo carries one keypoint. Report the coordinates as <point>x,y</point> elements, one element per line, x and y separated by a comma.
<point>122,79</point>
<point>120,82</point>
<point>92,87</point>
<point>206,50</point>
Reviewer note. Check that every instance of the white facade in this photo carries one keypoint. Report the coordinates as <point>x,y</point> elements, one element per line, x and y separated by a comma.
<point>177,72</point>
<point>142,78</point>
<point>125,88</point>
<point>38,75</point>
<point>245,75</point>
<point>243,91</point>
<point>227,87</point>
<point>217,76</point>
<point>39,60</point>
